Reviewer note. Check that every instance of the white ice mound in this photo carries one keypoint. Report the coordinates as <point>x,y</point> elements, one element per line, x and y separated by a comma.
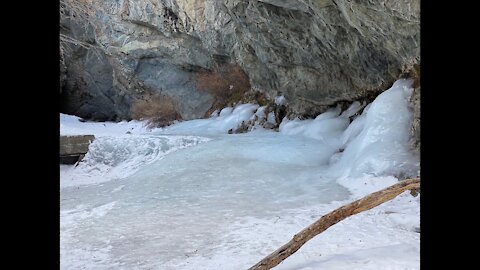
<point>228,118</point>
<point>118,157</point>
<point>376,143</point>
<point>327,127</point>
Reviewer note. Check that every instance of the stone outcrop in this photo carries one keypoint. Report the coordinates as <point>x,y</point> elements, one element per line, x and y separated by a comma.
<point>314,52</point>
<point>75,145</point>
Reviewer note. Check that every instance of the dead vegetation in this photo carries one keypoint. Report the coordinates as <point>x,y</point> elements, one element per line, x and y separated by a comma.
<point>227,83</point>
<point>157,110</point>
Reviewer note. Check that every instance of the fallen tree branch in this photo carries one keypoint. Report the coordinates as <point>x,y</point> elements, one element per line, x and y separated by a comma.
<point>363,204</point>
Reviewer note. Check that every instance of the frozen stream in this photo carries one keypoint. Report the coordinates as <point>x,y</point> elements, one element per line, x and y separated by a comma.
<point>186,201</point>
<point>190,196</point>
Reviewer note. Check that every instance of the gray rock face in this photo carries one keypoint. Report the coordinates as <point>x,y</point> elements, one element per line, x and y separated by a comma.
<point>314,52</point>
<point>87,82</point>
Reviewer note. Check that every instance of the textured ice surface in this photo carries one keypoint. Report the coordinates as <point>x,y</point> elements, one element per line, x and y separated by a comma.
<point>187,200</point>
<point>116,157</point>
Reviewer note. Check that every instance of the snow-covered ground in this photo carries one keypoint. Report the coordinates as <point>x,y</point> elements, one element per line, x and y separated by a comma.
<point>191,196</point>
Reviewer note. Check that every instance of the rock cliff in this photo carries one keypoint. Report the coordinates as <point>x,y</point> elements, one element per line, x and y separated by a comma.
<point>314,52</point>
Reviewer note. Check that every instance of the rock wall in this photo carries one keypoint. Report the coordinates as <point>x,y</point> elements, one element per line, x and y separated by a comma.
<point>314,52</point>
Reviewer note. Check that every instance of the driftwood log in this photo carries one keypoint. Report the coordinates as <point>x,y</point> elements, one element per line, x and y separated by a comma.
<point>363,204</point>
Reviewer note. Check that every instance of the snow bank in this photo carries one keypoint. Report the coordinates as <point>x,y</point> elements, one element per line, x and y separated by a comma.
<point>375,143</point>
<point>228,118</point>
<point>381,146</point>
<point>71,125</point>
<point>119,157</point>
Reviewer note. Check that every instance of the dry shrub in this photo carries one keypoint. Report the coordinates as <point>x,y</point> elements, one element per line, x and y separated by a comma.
<point>415,75</point>
<point>158,110</point>
<point>227,82</point>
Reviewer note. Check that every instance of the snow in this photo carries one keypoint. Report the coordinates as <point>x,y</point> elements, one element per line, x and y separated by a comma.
<point>260,113</point>
<point>229,118</point>
<point>271,118</point>
<point>71,125</point>
<point>280,100</point>
<point>369,240</point>
<point>191,196</point>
